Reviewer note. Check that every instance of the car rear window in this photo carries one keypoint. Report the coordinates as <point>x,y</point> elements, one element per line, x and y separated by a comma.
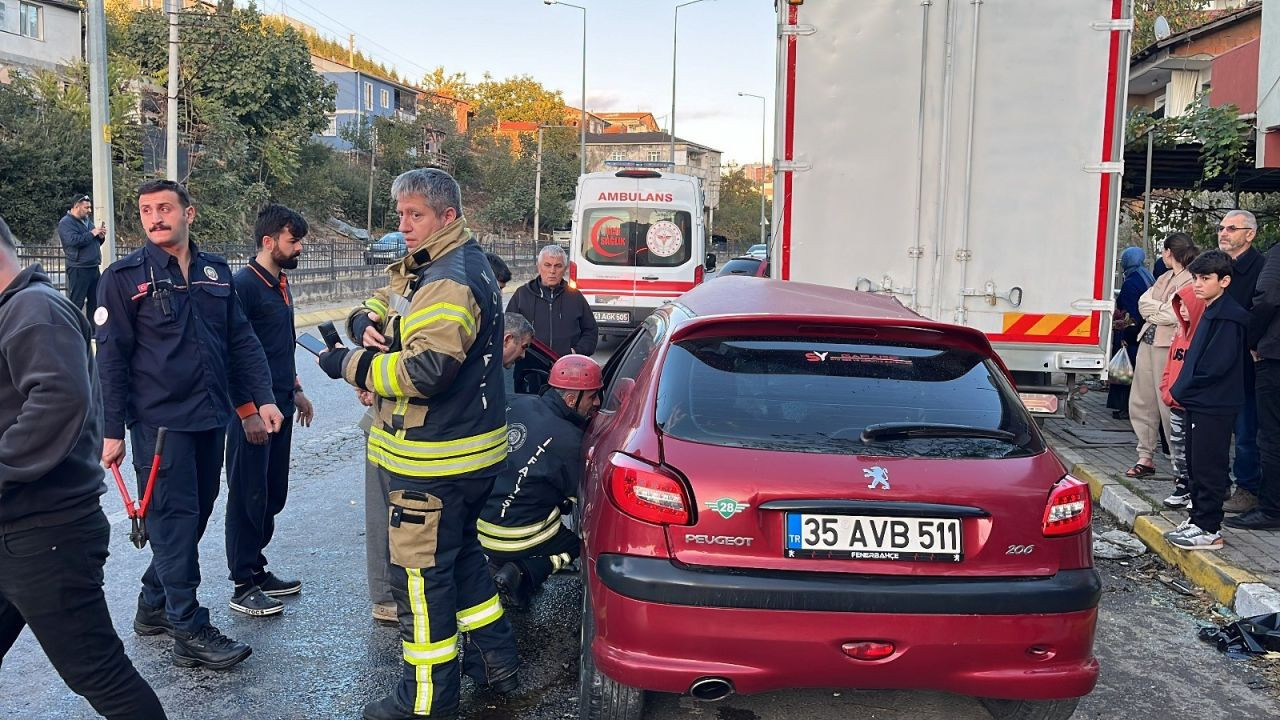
<point>819,395</point>
<point>741,266</point>
<point>637,237</point>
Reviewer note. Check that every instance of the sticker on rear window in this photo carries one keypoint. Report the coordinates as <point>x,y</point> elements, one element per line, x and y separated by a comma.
<point>819,357</point>
<point>664,238</point>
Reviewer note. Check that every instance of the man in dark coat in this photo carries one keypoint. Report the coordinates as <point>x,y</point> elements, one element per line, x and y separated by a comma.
<point>560,315</point>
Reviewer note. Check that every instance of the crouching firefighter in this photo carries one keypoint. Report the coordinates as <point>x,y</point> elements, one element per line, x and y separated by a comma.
<point>520,526</point>
<point>432,357</point>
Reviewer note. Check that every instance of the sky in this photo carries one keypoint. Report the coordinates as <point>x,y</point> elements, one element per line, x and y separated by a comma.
<point>725,46</point>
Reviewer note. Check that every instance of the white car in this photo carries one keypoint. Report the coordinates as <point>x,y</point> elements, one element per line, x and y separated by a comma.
<point>758,251</point>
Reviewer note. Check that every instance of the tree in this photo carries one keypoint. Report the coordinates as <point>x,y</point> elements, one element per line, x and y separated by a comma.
<point>738,217</point>
<point>519,98</point>
<point>1181,14</point>
<point>452,85</point>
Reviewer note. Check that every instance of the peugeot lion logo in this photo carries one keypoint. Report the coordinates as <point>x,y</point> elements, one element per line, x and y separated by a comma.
<point>879,477</point>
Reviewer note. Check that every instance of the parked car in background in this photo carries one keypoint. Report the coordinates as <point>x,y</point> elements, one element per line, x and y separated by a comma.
<point>758,251</point>
<point>746,265</point>
<point>386,249</point>
<point>798,486</point>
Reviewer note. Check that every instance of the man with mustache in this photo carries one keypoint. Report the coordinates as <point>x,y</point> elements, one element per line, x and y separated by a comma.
<point>258,461</point>
<point>171,338</point>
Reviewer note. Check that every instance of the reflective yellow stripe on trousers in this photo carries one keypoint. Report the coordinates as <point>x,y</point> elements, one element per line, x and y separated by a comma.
<point>474,618</point>
<point>422,653</point>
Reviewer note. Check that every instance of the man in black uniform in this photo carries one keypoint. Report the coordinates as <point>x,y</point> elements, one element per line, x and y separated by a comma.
<point>171,335</point>
<point>258,462</point>
<point>520,525</point>
<point>53,534</point>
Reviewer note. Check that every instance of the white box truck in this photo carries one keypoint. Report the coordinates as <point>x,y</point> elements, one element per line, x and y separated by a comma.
<point>963,156</point>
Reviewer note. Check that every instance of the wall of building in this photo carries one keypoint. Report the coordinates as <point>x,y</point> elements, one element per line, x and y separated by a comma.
<point>59,44</point>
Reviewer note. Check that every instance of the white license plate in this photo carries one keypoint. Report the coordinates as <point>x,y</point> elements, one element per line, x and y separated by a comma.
<point>620,317</point>
<point>873,537</point>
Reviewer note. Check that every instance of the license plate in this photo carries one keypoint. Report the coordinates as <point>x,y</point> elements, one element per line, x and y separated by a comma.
<point>873,537</point>
<point>618,317</point>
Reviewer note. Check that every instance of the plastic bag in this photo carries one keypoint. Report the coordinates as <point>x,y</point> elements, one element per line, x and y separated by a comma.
<point>1120,370</point>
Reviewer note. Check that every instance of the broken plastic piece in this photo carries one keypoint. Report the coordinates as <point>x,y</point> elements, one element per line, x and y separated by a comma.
<point>1247,637</point>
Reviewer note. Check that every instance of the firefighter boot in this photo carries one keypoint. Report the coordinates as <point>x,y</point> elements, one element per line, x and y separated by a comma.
<point>150,620</point>
<point>388,709</point>
<point>512,586</point>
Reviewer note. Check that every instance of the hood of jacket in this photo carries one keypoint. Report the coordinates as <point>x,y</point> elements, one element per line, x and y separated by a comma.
<point>29,276</point>
<point>1186,297</point>
<point>542,292</point>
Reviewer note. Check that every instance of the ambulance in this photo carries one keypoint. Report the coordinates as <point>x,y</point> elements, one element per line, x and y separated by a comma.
<point>638,242</point>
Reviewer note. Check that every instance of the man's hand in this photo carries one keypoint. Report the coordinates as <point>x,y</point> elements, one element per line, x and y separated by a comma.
<point>112,451</point>
<point>365,397</point>
<point>255,430</point>
<point>373,339</point>
<point>270,415</point>
<point>1256,356</point>
<point>99,231</point>
<point>331,361</point>
<point>306,411</point>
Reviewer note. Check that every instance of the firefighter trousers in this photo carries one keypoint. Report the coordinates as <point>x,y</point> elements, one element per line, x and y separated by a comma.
<point>442,588</point>
<point>545,559</point>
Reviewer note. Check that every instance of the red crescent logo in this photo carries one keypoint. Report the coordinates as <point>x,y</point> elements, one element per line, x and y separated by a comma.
<point>595,237</point>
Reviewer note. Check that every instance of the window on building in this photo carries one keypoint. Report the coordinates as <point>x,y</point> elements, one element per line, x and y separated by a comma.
<point>2,13</point>
<point>384,96</point>
<point>368,96</point>
<point>29,20</point>
<point>655,155</point>
<point>331,129</point>
<point>617,155</point>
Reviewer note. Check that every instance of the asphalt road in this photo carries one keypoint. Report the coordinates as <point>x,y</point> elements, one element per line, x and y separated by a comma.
<point>324,658</point>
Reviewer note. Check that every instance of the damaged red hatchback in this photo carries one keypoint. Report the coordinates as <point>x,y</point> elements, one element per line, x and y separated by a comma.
<point>797,486</point>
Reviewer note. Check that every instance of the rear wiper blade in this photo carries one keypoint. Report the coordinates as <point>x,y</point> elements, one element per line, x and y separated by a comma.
<point>890,430</point>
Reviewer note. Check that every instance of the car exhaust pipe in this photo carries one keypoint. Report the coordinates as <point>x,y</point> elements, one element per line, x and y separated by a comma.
<point>711,689</point>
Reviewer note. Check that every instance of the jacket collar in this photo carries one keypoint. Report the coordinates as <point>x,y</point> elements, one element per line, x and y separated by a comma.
<point>540,290</point>
<point>30,275</point>
<point>157,255</point>
<point>441,243</point>
<point>266,276</point>
<point>1247,259</point>
<point>551,397</point>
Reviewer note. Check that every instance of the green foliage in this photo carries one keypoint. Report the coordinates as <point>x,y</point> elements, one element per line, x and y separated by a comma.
<point>519,98</point>
<point>738,217</point>
<point>1222,135</point>
<point>1181,14</point>
<point>337,52</point>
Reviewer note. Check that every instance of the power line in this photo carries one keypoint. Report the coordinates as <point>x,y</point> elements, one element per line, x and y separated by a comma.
<point>365,38</point>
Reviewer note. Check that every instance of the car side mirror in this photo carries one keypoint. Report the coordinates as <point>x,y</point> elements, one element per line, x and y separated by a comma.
<point>710,264</point>
<point>621,391</point>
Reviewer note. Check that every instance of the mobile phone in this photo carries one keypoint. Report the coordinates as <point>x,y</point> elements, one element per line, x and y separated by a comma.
<point>312,343</point>
<point>329,333</point>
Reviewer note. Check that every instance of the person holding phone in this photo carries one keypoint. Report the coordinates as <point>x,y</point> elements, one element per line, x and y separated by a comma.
<point>258,461</point>
<point>81,242</point>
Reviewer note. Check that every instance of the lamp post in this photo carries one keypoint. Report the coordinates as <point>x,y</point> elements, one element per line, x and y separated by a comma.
<point>675,34</point>
<point>764,128</point>
<point>582,133</point>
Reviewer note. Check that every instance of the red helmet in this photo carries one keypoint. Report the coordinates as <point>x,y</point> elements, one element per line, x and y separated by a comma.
<point>576,372</point>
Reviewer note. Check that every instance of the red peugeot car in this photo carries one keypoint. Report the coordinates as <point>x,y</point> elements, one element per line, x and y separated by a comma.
<point>797,486</point>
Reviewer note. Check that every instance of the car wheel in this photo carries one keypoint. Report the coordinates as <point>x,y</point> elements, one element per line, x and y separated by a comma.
<point>600,698</point>
<point>1031,709</point>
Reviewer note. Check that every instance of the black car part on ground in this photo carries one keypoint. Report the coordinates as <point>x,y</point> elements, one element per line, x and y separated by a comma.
<point>1246,637</point>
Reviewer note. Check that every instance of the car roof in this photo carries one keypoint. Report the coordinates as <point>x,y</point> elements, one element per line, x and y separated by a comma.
<point>741,295</point>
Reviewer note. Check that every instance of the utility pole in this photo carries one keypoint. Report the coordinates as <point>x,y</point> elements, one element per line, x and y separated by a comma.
<point>171,133</point>
<point>537,188</point>
<point>100,129</point>
<point>351,49</point>
<point>373,147</point>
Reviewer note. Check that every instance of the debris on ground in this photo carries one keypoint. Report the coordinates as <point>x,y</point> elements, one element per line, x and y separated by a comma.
<point>1118,544</point>
<point>1248,637</point>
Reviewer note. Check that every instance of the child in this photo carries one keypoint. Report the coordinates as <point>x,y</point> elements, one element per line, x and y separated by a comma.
<point>1188,309</point>
<point>1210,388</point>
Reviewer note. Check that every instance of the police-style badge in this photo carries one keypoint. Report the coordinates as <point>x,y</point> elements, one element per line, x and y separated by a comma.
<point>210,273</point>
<point>517,433</point>
<point>100,316</point>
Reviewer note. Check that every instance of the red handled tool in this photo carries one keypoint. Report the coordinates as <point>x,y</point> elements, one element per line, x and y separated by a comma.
<point>138,513</point>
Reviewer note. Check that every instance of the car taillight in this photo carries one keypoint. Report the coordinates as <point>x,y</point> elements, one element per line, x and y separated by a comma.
<point>646,492</point>
<point>698,274</point>
<point>1070,509</point>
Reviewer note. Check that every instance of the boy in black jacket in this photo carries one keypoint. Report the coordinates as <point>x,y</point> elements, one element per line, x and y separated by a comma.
<point>1211,389</point>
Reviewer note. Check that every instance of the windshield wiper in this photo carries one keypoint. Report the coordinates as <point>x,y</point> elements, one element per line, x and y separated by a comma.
<point>896,430</point>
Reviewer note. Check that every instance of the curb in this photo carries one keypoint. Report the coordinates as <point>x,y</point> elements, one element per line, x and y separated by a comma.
<point>1234,587</point>
<point>308,319</point>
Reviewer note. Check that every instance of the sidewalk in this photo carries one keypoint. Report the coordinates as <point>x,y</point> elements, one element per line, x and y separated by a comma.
<point>1243,575</point>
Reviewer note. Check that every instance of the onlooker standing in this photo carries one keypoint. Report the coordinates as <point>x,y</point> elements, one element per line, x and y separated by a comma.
<point>1211,389</point>
<point>1264,335</point>
<point>501,272</point>
<point>1127,321</point>
<point>1147,413</point>
<point>258,461</point>
<point>561,317</point>
<point>1189,309</point>
<point>1235,237</point>
<point>53,533</point>
<point>81,242</point>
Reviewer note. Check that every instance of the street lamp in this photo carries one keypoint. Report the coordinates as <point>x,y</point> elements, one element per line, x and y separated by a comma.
<point>763,132</point>
<point>582,134</point>
<point>675,30</point>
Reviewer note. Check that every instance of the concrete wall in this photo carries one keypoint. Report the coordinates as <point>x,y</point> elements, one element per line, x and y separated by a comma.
<point>58,46</point>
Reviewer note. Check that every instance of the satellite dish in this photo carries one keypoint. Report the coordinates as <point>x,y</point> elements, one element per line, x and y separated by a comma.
<point>1162,28</point>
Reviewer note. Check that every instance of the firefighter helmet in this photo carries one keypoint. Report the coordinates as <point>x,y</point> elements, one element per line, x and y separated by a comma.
<point>576,372</point>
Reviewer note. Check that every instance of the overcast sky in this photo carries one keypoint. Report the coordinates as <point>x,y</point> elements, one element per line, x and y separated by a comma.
<point>726,46</point>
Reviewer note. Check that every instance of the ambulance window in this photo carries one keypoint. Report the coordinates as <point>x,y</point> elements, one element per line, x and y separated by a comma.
<point>643,237</point>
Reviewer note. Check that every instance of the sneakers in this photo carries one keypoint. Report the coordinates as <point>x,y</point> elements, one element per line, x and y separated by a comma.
<point>207,647</point>
<point>1180,498</point>
<point>253,601</point>
<point>1241,501</point>
<point>1190,536</point>
<point>275,587</point>
<point>150,620</point>
<point>386,613</point>
<point>1255,519</point>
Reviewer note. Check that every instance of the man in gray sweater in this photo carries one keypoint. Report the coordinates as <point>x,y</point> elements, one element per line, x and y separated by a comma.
<point>53,533</point>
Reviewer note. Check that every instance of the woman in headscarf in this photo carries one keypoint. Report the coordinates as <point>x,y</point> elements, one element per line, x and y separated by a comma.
<point>1127,320</point>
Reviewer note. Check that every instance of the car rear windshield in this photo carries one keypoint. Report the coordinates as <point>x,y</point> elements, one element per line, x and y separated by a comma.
<point>637,237</point>
<point>741,266</point>
<point>824,395</point>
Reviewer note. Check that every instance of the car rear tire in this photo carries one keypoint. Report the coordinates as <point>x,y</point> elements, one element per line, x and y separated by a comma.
<point>600,698</point>
<point>1031,709</point>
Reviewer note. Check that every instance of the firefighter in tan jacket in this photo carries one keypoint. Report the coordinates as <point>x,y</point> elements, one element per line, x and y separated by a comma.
<point>432,356</point>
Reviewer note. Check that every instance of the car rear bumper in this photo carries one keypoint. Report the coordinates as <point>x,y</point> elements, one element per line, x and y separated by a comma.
<point>748,629</point>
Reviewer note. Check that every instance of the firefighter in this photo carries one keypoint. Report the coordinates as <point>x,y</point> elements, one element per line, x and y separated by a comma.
<point>520,526</point>
<point>171,336</point>
<point>432,357</point>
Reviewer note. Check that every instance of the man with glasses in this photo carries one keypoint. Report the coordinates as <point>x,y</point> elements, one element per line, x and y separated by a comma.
<point>1235,237</point>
